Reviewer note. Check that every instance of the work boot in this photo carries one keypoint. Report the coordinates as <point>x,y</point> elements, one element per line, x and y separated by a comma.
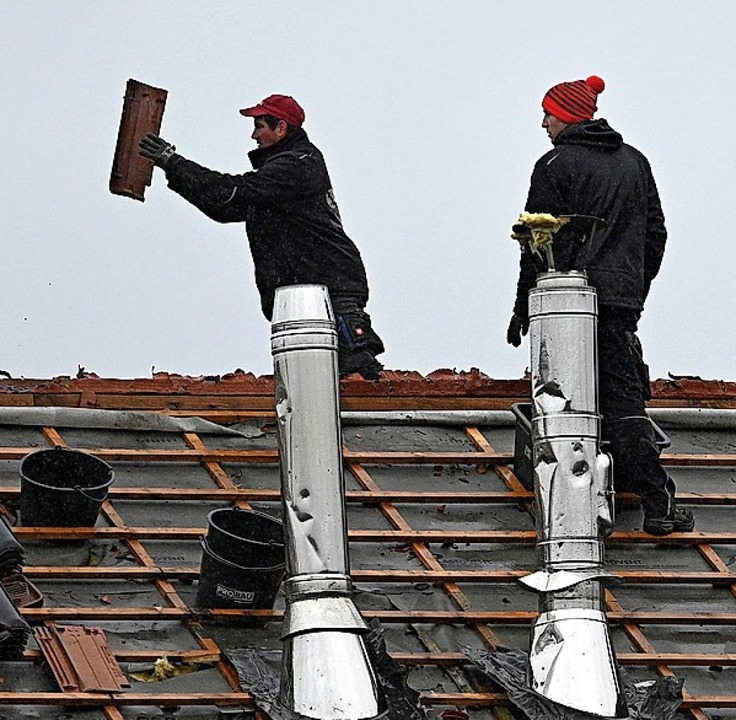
<point>357,342</point>
<point>677,521</point>
<point>354,329</point>
<point>361,362</point>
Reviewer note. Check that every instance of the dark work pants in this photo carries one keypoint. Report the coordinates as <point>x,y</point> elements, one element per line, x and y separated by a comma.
<point>357,341</point>
<point>623,384</point>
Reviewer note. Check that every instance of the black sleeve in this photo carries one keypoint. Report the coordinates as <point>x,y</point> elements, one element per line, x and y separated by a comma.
<point>544,197</point>
<point>226,198</point>
<point>544,194</point>
<point>656,234</point>
<point>209,191</point>
<point>527,280</point>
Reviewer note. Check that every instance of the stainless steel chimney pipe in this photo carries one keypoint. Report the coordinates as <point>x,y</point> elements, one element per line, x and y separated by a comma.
<point>326,673</point>
<point>571,658</point>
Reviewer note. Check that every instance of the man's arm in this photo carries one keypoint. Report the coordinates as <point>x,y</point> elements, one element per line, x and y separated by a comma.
<point>209,191</point>
<point>224,197</point>
<point>544,194</point>
<point>542,197</point>
<point>656,234</point>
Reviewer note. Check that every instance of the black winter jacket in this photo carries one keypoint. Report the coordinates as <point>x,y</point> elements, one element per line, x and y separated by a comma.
<point>291,218</point>
<point>591,171</point>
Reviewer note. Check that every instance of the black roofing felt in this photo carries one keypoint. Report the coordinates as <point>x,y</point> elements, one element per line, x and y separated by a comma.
<point>135,576</point>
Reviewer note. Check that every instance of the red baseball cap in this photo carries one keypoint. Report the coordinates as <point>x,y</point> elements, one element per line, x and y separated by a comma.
<point>283,107</point>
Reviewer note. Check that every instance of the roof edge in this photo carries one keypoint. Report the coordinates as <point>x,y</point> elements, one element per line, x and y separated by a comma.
<point>397,389</point>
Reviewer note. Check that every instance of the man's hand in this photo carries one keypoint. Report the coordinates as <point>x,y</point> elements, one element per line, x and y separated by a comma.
<point>156,149</point>
<point>517,327</point>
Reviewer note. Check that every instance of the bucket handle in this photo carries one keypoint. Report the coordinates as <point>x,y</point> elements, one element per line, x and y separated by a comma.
<point>80,490</point>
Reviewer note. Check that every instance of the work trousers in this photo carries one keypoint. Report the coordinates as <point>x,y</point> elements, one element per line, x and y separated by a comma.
<point>624,388</point>
<point>357,341</point>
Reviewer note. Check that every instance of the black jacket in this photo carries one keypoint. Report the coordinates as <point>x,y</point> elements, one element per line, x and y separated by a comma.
<point>291,218</point>
<point>591,171</point>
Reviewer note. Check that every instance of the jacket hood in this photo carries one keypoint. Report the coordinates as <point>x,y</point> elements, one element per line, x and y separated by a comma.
<point>295,137</point>
<point>592,133</point>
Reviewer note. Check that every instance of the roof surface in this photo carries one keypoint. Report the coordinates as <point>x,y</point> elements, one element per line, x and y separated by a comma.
<point>439,534</point>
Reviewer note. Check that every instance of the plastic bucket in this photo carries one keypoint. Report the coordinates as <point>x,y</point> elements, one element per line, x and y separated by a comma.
<point>523,466</point>
<point>243,560</point>
<point>62,488</point>
<point>225,584</point>
<point>246,537</point>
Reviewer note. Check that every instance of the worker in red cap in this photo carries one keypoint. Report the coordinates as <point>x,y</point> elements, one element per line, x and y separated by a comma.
<point>591,172</point>
<point>291,219</point>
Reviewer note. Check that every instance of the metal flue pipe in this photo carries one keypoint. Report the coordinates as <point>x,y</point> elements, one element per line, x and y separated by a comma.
<point>326,673</point>
<point>571,658</point>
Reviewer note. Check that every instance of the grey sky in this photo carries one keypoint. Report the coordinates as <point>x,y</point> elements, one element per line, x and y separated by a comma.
<point>429,116</point>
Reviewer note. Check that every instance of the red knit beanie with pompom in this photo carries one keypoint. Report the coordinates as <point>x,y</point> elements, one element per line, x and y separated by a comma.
<point>573,102</point>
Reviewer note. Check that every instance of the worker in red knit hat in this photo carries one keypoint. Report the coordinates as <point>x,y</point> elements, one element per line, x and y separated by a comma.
<point>591,172</point>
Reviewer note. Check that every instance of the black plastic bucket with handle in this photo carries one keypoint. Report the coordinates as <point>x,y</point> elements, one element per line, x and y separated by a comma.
<point>62,488</point>
<point>243,560</point>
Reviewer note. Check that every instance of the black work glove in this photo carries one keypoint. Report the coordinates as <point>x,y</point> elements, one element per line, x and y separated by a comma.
<point>517,327</point>
<point>156,149</point>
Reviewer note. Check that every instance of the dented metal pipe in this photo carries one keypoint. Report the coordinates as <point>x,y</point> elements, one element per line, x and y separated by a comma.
<point>326,673</point>
<point>571,658</point>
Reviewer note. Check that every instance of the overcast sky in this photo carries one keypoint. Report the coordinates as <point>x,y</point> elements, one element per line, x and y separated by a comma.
<point>428,114</point>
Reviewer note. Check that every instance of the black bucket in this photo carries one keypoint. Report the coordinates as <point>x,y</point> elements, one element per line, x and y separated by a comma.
<point>246,537</point>
<point>242,560</point>
<point>224,584</point>
<point>62,488</point>
<point>523,467</point>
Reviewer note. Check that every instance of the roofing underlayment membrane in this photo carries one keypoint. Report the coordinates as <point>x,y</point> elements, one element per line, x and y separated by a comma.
<point>440,532</point>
